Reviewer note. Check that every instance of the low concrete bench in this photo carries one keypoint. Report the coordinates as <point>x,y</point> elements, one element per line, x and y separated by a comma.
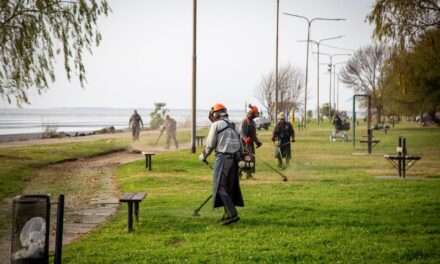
<point>199,140</point>
<point>132,200</point>
<point>148,159</point>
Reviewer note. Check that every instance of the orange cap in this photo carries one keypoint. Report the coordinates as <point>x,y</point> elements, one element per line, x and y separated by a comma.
<point>218,107</point>
<point>253,109</point>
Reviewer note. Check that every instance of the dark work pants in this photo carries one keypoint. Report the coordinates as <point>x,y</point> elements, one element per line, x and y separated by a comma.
<point>227,202</point>
<point>223,186</point>
<point>172,136</point>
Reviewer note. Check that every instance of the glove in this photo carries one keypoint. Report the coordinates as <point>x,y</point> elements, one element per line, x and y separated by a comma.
<point>259,144</point>
<point>202,157</point>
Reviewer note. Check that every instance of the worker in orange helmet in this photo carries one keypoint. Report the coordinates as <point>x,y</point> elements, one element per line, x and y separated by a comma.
<point>248,132</point>
<point>225,141</point>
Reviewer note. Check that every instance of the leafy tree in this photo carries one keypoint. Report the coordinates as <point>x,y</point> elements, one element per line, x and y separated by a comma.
<point>364,73</point>
<point>158,115</point>
<point>34,32</point>
<point>412,83</point>
<point>404,20</point>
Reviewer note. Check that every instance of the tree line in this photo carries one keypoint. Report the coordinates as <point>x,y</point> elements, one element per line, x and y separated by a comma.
<point>401,72</point>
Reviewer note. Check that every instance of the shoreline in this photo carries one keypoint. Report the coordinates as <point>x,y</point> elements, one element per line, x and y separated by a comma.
<point>42,137</point>
<point>8,138</point>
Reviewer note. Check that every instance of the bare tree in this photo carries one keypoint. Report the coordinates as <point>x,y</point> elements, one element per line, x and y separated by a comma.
<point>290,87</point>
<point>364,72</point>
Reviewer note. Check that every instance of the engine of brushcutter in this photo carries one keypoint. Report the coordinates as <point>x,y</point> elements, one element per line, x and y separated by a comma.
<point>247,164</point>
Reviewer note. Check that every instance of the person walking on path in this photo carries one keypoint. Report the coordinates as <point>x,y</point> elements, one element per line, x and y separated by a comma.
<point>224,139</point>
<point>135,124</point>
<point>170,127</point>
<point>282,135</point>
<point>248,132</point>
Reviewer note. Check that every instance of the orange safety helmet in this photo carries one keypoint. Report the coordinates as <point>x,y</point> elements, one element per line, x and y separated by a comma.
<point>214,113</point>
<point>218,107</point>
<point>253,110</point>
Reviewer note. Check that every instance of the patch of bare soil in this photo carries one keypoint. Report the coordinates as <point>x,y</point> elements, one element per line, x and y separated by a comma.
<point>91,195</point>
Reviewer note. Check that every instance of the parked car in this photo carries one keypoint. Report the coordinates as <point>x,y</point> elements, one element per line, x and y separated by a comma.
<point>262,122</point>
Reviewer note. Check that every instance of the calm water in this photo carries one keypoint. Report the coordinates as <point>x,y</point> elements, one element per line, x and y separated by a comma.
<point>22,121</point>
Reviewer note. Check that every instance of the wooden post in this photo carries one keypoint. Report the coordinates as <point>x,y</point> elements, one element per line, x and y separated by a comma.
<point>136,211</point>
<point>399,165</point>
<point>276,63</point>
<point>194,80</point>
<point>130,216</point>
<point>59,230</point>
<point>404,158</point>
<point>370,140</point>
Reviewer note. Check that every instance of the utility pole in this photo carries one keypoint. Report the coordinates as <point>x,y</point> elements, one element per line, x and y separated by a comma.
<point>309,24</point>
<point>334,86</point>
<point>318,44</point>
<point>276,63</point>
<point>194,80</point>
<point>330,67</point>
<point>330,88</point>
<point>336,79</point>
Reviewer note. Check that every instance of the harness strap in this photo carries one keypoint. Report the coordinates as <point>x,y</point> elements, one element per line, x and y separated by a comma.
<point>229,125</point>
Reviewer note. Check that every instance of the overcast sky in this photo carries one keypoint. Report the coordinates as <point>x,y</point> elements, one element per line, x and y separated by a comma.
<point>145,55</point>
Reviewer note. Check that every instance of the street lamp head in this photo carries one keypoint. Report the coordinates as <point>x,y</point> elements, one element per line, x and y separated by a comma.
<point>312,41</point>
<point>331,38</point>
<point>328,19</point>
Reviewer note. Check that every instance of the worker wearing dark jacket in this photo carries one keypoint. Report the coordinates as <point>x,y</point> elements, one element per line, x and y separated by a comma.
<point>248,132</point>
<point>135,123</point>
<point>283,134</point>
<point>225,141</point>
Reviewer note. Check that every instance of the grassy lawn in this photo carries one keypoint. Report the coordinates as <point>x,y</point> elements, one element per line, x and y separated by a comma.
<point>17,164</point>
<point>332,210</point>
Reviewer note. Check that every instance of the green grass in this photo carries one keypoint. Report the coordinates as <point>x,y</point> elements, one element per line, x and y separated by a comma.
<point>18,163</point>
<point>332,209</point>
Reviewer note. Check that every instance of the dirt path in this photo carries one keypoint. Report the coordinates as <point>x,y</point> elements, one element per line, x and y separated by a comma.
<point>90,192</point>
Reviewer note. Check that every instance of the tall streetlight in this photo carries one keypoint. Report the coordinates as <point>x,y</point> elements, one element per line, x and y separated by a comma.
<point>276,63</point>
<point>194,79</point>
<point>309,24</point>
<point>330,72</point>
<point>337,83</point>
<point>318,44</point>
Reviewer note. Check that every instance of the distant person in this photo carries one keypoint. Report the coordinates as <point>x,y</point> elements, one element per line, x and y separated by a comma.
<point>282,135</point>
<point>170,127</point>
<point>135,124</point>
<point>248,132</point>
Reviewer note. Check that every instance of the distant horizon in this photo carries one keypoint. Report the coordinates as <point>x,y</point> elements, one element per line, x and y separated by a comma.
<point>100,107</point>
<point>146,53</point>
